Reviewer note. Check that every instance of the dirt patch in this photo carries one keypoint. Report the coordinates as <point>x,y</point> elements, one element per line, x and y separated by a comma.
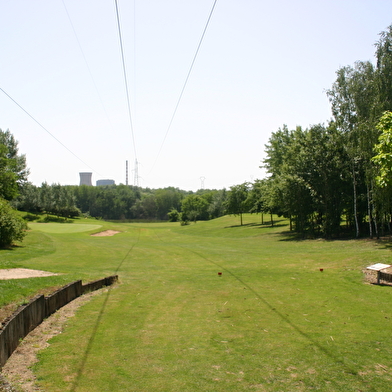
<point>22,273</point>
<point>106,233</point>
<point>16,372</point>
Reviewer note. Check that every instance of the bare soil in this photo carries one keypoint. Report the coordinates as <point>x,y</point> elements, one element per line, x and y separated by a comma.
<point>22,273</point>
<point>106,233</point>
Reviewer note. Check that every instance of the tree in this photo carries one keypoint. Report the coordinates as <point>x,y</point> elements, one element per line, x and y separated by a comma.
<point>12,227</point>
<point>12,173</point>
<point>166,199</point>
<point>29,199</point>
<point>384,70</point>
<point>383,150</point>
<point>276,151</point>
<point>237,202</point>
<point>216,206</point>
<point>65,201</point>
<point>8,179</point>
<point>356,105</point>
<point>308,182</point>
<point>256,198</point>
<point>145,208</point>
<point>174,215</point>
<point>194,207</point>
<point>16,162</point>
<point>86,198</point>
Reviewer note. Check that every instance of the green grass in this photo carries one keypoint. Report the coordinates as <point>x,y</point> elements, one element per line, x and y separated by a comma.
<point>63,227</point>
<point>271,322</point>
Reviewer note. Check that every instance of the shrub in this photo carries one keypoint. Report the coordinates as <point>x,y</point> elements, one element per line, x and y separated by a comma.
<point>173,215</point>
<point>12,227</point>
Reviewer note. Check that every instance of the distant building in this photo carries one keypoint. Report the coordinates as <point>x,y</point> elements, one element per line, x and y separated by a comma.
<point>85,178</point>
<point>105,182</point>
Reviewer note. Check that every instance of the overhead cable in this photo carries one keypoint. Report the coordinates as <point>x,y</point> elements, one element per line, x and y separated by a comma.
<point>85,60</point>
<point>51,134</point>
<point>125,76</point>
<point>186,82</point>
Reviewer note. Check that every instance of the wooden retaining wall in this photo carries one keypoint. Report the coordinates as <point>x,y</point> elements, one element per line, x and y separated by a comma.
<point>97,284</point>
<point>28,317</point>
<point>63,296</point>
<point>385,277</point>
<point>24,320</point>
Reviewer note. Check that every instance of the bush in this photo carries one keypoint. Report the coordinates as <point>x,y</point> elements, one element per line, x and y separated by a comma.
<point>30,217</point>
<point>12,227</point>
<point>173,215</point>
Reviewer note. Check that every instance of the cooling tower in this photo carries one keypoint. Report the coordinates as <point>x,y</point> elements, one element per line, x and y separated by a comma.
<point>85,178</point>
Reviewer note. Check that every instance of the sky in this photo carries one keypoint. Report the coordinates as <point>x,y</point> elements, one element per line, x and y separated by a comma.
<point>261,64</point>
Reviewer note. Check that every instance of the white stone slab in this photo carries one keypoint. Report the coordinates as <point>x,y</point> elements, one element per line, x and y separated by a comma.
<point>378,267</point>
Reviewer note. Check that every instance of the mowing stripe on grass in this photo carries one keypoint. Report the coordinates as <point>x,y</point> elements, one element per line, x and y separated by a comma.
<point>98,321</point>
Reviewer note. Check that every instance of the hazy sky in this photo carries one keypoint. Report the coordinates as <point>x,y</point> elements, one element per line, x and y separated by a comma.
<point>262,64</point>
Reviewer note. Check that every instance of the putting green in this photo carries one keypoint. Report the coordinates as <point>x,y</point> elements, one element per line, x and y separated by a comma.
<point>62,227</point>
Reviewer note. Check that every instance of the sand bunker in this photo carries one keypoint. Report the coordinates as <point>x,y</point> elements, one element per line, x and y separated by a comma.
<point>22,273</point>
<point>106,233</point>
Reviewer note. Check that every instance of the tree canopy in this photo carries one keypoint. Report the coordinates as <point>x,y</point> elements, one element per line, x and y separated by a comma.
<point>13,174</point>
<point>383,150</point>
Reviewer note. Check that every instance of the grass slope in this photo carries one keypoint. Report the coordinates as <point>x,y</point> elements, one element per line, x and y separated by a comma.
<point>271,322</point>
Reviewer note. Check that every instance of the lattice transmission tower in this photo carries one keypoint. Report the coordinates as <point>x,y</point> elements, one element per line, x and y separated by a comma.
<point>136,173</point>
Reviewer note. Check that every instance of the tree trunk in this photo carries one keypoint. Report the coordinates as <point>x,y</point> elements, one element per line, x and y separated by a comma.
<point>369,212</point>
<point>355,204</point>
<point>374,212</point>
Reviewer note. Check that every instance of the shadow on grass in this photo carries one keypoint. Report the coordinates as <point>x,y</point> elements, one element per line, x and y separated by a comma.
<point>11,247</point>
<point>381,284</point>
<point>266,225</point>
<point>385,242</point>
<point>57,219</point>
<point>294,236</point>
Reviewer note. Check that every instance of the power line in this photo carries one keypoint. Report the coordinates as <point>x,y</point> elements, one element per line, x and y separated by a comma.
<point>125,76</point>
<point>87,65</point>
<point>186,82</point>
<point>51,134</point>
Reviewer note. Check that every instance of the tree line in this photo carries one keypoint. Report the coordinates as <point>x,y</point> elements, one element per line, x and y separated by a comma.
<point>125,202</point>
<point>121,202</point>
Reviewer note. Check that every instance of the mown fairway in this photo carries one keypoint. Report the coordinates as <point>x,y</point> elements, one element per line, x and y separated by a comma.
<point>271,322</point>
